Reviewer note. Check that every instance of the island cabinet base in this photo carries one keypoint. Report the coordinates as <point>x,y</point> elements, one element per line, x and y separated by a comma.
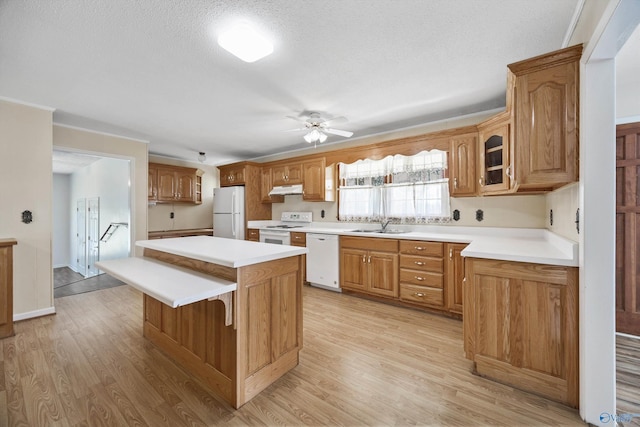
<point>262,344</point>
<point>520,325</point>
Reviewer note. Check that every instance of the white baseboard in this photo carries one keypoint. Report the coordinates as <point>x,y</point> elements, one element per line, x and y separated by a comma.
<point>33,314</point>
<point>62,265</point>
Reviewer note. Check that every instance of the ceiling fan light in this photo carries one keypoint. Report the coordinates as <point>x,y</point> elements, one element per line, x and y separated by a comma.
<point>322,138</point>
<point>315,135</point>
<point>202,157</point>
<point>245,42</point>
<point>308,138</point>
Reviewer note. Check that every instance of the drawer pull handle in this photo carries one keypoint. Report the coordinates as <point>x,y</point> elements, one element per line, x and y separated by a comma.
<point>419,294</point>
<point>418,262</point>
<point>418,278</point>
<point>419,248</point>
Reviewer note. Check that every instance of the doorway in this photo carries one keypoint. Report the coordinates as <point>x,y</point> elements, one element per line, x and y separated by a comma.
<point>92,213</point>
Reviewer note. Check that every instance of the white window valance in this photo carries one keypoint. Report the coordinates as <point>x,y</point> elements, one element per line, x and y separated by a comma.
<point>403,189</point>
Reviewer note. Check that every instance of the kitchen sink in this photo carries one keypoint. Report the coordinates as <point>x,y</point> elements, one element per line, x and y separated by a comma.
<point>393,231</point>
<point>388,231</point>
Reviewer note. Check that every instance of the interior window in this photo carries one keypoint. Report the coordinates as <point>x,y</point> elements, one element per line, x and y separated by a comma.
<point>403,189</point>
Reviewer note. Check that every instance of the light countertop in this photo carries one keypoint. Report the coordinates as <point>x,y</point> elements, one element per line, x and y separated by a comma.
<point>221,251</point>
<point>170,284</point>
<point>538,246</point>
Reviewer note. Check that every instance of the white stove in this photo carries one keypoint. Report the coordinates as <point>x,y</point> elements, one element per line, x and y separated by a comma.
<point>277,234</point>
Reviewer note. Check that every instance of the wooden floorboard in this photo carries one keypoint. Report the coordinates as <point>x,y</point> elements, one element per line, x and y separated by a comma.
<point>628,380</point>
<point>363,363</point>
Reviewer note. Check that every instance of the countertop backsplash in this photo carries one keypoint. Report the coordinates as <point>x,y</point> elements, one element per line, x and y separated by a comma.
<point>527,211</point>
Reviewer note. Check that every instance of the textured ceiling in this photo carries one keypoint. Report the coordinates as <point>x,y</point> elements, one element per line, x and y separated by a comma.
<point>152,70</point>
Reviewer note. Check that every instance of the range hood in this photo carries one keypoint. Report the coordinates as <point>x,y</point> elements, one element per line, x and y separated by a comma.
<point>283,190</point>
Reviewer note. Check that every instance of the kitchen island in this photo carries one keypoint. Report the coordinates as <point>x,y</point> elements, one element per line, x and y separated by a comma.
<point>228,311</point>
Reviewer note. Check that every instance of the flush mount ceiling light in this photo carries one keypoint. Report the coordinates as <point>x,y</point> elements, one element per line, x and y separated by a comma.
<point>202,157</point>
<point>245,42</point>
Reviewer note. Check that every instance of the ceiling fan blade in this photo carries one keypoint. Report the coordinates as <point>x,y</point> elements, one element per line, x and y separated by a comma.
<point>336,120</point>
<point>298,119</point>
<point>344,133</point>
<point>296,130</point>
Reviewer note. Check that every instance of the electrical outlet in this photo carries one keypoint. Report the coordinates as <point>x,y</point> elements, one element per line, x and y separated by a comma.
<point>171,215</point>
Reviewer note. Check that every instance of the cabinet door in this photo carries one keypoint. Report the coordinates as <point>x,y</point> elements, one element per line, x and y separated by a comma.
<point>279,175</point>
<point>294,173</point>
<point>383,273</point>
<point>153,183</point>
<point>494,159</point>
<point>546,126</point>
<point>525,326</point>
<point>287,174</point>
<point>185,185</point>
<point>455,277</point>
<point>166,184</point>
<point>492,325</point>
<point>463,165</point>
<point>353,269</point>
<point>266,186</point>
<point>313,185</point>
<point>232,176</point>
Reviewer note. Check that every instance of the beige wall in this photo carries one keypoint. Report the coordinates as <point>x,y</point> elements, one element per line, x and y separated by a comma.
<point>26,184</point>
<point>114,146</point>
<point>564,202</point>
<point>185,215</point>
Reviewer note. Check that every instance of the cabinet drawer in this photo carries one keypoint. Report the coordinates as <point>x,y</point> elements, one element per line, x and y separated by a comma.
<point>421,294</point>
<point>298,239</point>
<point>369,243</point>
<point>421,278</point>
<point>253,234</point>
<point>421,248</point>
<point>422,263</point>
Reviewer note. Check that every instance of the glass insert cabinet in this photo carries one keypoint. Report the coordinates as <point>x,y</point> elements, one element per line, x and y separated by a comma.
<point>495,169</point>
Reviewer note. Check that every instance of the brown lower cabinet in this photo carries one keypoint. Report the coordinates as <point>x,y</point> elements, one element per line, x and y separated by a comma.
<point>253,234</point>
<point>413,273</point>
<point>521,325</point>
<point>369,265</point>
<point>6,287</point>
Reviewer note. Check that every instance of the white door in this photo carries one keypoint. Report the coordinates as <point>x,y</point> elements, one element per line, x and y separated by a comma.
<point>81,237</point>
<point>93,235</point>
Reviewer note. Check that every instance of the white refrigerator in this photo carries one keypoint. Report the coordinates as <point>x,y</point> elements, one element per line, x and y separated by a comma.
<point>228,212</point>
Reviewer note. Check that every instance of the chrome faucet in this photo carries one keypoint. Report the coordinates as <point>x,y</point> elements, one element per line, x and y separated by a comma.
<point>384,224</point>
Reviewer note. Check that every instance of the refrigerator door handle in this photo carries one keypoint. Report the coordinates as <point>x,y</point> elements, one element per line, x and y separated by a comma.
<point>233,216</point>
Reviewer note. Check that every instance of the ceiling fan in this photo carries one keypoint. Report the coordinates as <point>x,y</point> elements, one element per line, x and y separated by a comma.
<point>317,127</point>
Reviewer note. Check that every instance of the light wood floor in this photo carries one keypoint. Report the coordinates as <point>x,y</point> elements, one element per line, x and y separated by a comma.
<point>363,363</point>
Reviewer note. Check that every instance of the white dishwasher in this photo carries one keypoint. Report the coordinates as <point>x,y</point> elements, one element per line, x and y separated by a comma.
<point>323,264</point>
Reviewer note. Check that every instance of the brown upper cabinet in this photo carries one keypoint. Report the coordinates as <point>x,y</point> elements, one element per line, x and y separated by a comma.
<point>315,177</point>
<point>266,185</point>
<point>533,145</point>
<point>287,174</point>
<point>545,112</point>
<point>232,175</point>
<point>462,165</point>
<point>317,181</point>
<point>170,184</point>
<point>494,148</point>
